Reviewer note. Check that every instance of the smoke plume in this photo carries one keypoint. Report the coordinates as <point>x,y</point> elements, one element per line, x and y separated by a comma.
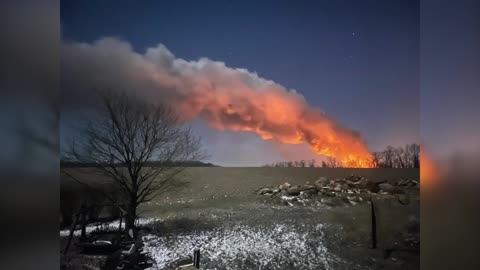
<point>227,98</point>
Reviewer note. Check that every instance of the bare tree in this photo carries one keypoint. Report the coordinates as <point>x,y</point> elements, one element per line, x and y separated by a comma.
<point>128,134</point>
<point>397,157</point>
<point>376,159</point>
<point>413,152</point>
<point>388,157</point>
<point>333,163</point>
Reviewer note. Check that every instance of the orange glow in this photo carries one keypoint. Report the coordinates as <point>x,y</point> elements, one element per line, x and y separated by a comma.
<point>285,116</point>
<point>429,171</point>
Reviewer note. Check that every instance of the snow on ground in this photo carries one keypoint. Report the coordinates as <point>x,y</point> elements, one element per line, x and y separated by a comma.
<point>113,224</point>
<point>245,247</point>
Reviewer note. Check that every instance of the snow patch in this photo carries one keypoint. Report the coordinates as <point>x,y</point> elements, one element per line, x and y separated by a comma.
<point>245,247</point>
<point>113,224</point>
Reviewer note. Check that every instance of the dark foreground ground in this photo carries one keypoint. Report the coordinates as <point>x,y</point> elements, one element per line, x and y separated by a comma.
<point>218,211</point>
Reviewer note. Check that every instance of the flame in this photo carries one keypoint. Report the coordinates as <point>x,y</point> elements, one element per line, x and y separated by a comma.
<point>280,115</point>
<point>429,170</point>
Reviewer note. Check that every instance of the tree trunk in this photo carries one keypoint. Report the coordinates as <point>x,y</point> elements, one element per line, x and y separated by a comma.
<point>130,218</point>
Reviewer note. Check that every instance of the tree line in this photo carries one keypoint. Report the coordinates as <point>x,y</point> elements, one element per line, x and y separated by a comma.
<point>407,156</point>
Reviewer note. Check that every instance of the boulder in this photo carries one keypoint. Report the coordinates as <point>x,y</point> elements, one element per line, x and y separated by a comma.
<point>345,187</point>
<point>294,191</point>
<point>413,183</point>
<point>359,184</point>
<point>403,199</point>
<point>322,180</point>
<point>305,195</point>
<point>402,182</point>
<point>413,224</point>
<point>340,181</point>
<point>320,183</point>
<point>264,191</point>
<point>337,188</point>
<point>284,186</point>
<point>328,193</point>
<point>353,178</point>
<point>371,186</point>
<point>309,190</point>
<point>386,187</point>
<point>307,187</point>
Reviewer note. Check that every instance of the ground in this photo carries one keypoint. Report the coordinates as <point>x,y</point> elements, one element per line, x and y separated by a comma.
<point>218,211</point>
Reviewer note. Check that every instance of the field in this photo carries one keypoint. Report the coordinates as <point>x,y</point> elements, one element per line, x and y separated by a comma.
<point>219,211</point>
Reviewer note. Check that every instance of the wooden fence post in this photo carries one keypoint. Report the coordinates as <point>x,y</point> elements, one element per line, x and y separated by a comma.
<point>196,258</point>
<point>373,224</point>
<point>72,229</point>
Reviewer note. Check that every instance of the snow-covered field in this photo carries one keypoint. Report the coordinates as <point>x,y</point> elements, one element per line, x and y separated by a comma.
<point>245,247</point>
<point>220,212</point>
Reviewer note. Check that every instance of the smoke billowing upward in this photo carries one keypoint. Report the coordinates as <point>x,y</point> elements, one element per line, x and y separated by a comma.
<point>227,98</point>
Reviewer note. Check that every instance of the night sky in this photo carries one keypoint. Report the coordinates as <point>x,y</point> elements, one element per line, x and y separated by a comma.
<point>356,60</point>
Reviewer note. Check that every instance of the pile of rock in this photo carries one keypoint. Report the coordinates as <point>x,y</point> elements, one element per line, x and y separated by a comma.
<point>408,183</point>
<point>353,188</point>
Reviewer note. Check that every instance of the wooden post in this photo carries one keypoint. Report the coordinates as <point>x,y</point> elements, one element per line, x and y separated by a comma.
<point>196,258</point>
<point>121,219</point>
<point>72,229</point>
<point>84,224</point>
<point>373,224</point>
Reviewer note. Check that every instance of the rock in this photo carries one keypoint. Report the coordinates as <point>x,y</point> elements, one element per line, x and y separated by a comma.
<point>309,189</point>
<point>350,183</point>
<point>340,181</point>
<point>327,191</point>
<point>386,187</point>
<point>337,188</point>
<point>353,178</point>
<point>305,195</point>
<point>322,181</point>
<point>332,182</point>
<point>265,191</point>
<point>284,186</point>
<point>354,200</point>
<point>359,184</point>
<point>294,191</point>
<point>413,225</point>
<point>404,182</point>
<point>403,199</point>
<point>371,186</point>
<point>345,187</point>
<point>413,183</point>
